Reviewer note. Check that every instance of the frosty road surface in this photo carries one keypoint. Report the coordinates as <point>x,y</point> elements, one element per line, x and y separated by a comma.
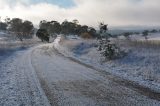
<point>69,83</point>
<point>19,85</point>
<point>40,76</point>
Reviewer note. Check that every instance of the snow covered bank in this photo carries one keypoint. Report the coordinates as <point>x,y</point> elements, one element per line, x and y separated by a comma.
<point>70,83</point>
<point>141,65</point>
<point>19,84</point>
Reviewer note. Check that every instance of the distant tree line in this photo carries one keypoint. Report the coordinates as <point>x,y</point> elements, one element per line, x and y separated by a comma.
<point>24,29</point>
<point>54,28</point>
<point>21,29</point>
<point>144,33</point>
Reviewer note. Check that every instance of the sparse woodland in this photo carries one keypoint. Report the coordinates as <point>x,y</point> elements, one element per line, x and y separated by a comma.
<point>24,29</point>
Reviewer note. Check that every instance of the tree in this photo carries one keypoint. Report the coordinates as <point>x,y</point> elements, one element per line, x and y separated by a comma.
<point>7,20</point>
<point>145,34</point>
<point>127,35</point>
<point>21,29</point>
<point>92,32</point>
<point>68,28</point>
<point>103,28</point>
<point>75,21</point>
<point>3,26</point>
<point>15,25</point>
<point>154,31</point>
<point>137,33</point>
<point>43,35</point>
<point>107,48</point>
<point>54,28</point>
<point>27,29</point>
<point>83,29</point>
<point>44,24</point>
<point>78,29</point>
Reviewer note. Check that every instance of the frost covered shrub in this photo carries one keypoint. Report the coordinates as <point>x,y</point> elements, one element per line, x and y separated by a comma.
<point>110,50</point>
<point>107,48</point>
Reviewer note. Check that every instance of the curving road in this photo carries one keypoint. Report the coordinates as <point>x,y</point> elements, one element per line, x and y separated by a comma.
<point>41,76</point>
<point>67,82</point>
<point>19,85</point>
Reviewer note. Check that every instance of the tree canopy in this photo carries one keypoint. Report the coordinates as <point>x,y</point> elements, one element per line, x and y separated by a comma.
<point>3,26</point>
<point>66,28</point>
<point>43,35</point>
<point>22,29</point>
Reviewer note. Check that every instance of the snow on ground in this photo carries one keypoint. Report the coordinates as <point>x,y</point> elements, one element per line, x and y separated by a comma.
<point>155,36</point>
<point>68,83</point>
<point>18,82</point>
<point>140,65</point>
<point>151,36</point>
<point>2,33</point>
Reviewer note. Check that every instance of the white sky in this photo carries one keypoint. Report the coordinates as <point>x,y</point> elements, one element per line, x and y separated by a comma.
<point>90,12</point>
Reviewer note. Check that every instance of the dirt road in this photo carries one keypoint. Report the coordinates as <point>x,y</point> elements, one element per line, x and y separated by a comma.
<point>68,83</point>
<point>19,85</point>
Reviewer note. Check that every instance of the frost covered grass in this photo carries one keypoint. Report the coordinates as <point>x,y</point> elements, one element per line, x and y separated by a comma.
<point>9,45</point>
<point>13,44</point>
<point>9,42</point>
<point>140,65</point>
<point>19,84</point>
<point>146,43</point>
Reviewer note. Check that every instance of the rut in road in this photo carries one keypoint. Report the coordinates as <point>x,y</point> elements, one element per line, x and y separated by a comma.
<point>19,84</point>
<point>68,82</point>
<point>131,84</point>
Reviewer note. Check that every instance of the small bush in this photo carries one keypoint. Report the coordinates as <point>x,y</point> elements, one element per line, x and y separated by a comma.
<point>43,35</point>
<point>111,51</point>
<point>107,48</point>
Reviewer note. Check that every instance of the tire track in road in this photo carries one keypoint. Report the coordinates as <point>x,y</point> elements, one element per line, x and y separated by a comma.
<point>22,87</point>
<point>71,82</point>
<point>130,84</point>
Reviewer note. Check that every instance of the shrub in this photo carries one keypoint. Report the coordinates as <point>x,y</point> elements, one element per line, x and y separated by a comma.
<point>43,35</point>
<point>145,34</point>
<point>107,48</point>
<point>127,35</point>
<point>86,35</point>
<point>110,50</point>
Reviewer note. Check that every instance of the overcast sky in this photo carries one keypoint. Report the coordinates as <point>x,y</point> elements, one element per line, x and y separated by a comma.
<point>90,12</point>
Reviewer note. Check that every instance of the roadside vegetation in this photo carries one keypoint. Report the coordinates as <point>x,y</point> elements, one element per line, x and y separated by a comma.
<point>129,54</point>
<point>109,49</point>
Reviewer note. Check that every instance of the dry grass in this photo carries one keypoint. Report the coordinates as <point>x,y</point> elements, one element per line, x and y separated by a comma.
<point>86,36</point>
<point>145,43</point>
<point>14,44</point>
